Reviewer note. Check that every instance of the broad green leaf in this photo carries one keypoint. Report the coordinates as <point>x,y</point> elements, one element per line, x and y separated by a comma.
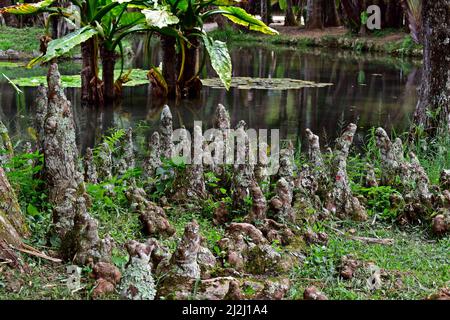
<point>27,8</point>
<point>242,17</point>
<point>32,210</point>
<point>58,47</point>
<point>182,5</point>
<point>282,4</point>
<point>131,18</point>
<point>225,2</point>
<point>220,59</point>
<point>159,18</point>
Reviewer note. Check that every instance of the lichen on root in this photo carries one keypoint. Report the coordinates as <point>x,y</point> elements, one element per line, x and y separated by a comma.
<point>340,199</point>
<point>152,216</point>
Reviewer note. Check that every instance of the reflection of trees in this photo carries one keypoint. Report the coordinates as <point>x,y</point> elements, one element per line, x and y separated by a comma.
<point>386,97</point>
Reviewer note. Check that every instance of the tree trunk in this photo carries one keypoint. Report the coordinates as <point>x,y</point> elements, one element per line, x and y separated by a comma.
<point>12,223</point>
<point>394,14</point>
<point>352,14</point>
<point>331,14</point>
<point>432,110</point>
<point>314,15</point>
<point>301,12</point>
<point>91,87</point>
<point>169,70</point>
<point>108,62</point>
<point>289,19</point>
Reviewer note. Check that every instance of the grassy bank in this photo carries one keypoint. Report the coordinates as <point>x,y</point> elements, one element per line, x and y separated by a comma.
<point>388,41</point>
<point>25,40</point>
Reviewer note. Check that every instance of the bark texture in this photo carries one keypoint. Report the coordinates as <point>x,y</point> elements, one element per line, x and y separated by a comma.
<point>289,18</point>
<point>60,149</point>
<point>433,110</point>
<point>108,58</point>
<point>12,222</point>
<point>91,85</point>
<point>315,9</point>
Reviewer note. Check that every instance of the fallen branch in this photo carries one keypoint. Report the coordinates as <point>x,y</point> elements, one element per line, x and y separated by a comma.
<point>364,239</point>
<point>34,252</point>
<point>374,240</point>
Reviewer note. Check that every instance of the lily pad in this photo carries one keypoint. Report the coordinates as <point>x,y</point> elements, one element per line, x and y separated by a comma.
<point>265,83</point>
<point>136,77</point>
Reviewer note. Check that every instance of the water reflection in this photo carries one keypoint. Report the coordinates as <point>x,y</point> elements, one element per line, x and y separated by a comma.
<point>369,90</point>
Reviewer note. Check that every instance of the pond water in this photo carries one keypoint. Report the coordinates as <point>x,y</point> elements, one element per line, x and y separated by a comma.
<point>367,89</point>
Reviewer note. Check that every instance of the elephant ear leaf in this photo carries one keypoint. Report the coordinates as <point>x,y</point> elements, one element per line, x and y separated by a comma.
<point>220,59</point>
<point>243,18</point>
<point>61,46</point>
<point>159,18</point>
<point>26,8</point>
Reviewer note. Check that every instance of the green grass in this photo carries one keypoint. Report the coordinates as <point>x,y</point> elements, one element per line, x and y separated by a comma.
<point>20,39</point>
<point>414,267</point>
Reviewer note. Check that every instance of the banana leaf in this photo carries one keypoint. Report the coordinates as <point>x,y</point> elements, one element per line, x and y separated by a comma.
<point>26,8</point>
<point>131,19</point>
<point>241,17</point>
<point>61,46</point>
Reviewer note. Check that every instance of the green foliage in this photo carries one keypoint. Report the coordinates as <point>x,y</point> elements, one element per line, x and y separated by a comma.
<point>114,138</point>
<point>27,8</point>
<point>241,17</point>
<point>22,172</point>
<point>407,45</point>
<point>163,183</point>
<point>433,153</point>
<point>111,207</point>
<point>378,201</point>
<point>61,46</point>
<point>364,17</point>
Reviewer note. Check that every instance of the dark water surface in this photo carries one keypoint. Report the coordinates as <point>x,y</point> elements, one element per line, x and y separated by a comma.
<point>368,90</point>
